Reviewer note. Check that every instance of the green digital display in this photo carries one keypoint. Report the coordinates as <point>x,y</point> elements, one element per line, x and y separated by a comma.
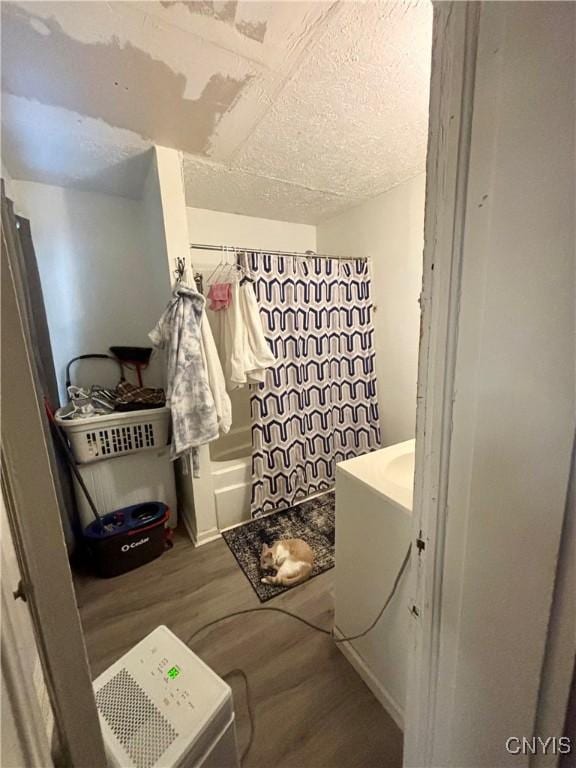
<point>173,672</point>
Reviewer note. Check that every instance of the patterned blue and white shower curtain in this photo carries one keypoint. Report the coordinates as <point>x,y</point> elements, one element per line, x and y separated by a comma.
<point>319,404</point>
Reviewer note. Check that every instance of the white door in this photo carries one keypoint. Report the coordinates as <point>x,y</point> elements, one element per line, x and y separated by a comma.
<point>36,530</point>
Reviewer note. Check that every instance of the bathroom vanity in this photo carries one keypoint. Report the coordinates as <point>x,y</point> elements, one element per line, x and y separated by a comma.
<point>373,529</point>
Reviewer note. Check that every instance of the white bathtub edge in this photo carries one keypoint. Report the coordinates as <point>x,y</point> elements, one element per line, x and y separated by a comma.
<point>388,702</point>
<point>223,465</point>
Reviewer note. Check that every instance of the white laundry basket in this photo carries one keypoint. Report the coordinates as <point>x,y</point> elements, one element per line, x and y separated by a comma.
<point>117,434</point>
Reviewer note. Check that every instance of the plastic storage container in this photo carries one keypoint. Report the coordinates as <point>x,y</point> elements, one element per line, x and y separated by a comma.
<point>136,536</point>
<point>116,434</point>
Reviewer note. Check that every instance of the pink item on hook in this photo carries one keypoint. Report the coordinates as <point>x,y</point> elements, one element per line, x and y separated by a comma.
<point>220,295</point>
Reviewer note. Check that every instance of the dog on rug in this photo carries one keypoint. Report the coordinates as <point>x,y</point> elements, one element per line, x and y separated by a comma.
<point>292,559</point>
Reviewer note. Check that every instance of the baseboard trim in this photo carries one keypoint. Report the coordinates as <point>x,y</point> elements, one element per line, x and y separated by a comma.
<point>205,537</point>
<point>388,702</point>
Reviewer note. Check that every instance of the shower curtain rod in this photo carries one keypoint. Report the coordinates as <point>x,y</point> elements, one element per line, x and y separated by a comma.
<point>307,254</point>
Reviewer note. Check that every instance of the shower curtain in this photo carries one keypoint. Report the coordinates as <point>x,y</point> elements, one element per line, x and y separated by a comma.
<point>318,405</point>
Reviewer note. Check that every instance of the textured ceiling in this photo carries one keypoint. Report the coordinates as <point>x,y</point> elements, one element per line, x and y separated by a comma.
<point>288,110</point>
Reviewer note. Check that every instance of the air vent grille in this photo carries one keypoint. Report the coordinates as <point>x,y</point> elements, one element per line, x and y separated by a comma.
<point>134,719</point>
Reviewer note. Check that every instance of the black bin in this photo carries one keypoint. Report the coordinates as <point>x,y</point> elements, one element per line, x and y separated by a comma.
<point>128,538</point>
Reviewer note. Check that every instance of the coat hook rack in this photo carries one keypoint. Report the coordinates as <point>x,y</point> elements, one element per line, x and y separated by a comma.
<point>180,269</point>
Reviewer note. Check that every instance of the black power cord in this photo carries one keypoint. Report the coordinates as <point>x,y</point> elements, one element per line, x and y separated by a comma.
<point>249,707</point>
<point>323,630</point>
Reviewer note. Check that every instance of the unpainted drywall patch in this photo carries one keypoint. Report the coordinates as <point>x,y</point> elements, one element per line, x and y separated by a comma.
<point>255,30</point>
<point>118,83</point>
<point>52,145</point>
<point>223,11</point>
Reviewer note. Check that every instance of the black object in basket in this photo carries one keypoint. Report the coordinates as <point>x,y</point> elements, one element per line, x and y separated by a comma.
<point>139,357</point>
<point>127,538</point>
<point>126,396</point>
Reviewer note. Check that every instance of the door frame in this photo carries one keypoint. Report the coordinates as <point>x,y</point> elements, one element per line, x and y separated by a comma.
<point>29,491</point>
<point>456,32</point>
<point>454,46</point>
<point>22,680</point>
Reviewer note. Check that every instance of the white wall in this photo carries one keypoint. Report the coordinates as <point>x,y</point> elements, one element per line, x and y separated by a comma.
<point>101,284</point>
<point>218,228</point>
<point>390,230</point>
<point>153,231</point>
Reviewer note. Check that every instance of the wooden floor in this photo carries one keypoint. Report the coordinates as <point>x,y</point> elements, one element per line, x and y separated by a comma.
<point>312,710</point>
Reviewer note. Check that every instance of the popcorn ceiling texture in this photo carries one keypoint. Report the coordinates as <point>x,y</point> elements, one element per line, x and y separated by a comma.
<point>360,99</point>
<point>287,110</point>
<point>213,186</point>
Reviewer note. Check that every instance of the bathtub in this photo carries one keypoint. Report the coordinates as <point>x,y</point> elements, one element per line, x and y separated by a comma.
<point>373,531</point>
<point>219,497</point>
<point>231,472</point>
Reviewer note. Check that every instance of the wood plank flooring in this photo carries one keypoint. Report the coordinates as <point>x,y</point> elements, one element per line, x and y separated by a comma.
<point>312,710</point>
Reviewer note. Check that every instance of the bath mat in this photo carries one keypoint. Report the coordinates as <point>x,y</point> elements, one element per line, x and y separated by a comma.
<point>312,521</point>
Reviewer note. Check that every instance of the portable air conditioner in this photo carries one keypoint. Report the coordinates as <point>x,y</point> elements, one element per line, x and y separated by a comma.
<point>160,706</point>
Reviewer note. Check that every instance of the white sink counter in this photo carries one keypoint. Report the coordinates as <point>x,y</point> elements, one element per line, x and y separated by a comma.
<point>373,531</point>
<point>389,472</point>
